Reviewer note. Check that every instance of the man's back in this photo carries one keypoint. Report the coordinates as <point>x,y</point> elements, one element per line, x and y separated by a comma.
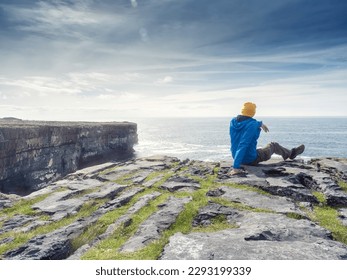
<point>244,133</point>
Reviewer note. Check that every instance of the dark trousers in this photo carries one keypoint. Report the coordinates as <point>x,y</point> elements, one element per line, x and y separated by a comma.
<point>265,153</point>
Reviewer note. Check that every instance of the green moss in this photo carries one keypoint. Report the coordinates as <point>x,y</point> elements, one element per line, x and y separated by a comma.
<point>109,218</point>
<point>320,197</point>
<point>217,223</point>
<point>246,188</point>
<point>108,248</point>
<point>102,250</point>
<point>183,224</point>
<point>109,170</point>
<point>100,226</point>
<point>343,185</point>
<point>88,235</point>
<point>126,178</point>
<point>87,191</point>
<point>216,170</point>
<point>22,207</point>
<point>20,238</point>
<point>295,216</point>
<point>327,217</point>
<point>239,206</point>
<point>164,174</point>
<point>154,175</point>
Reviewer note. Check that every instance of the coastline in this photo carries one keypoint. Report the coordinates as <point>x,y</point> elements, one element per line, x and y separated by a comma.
<point>208,138</point>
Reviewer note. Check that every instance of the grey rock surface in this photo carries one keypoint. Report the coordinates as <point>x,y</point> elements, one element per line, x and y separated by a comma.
<point>268,213</point>
<point>259,237</point>
<point>213,210</point>
<point>161,220</point>
<point>343,216</point>
<point>180,183</point>
<point>256,200</point>
<point>15,222</point>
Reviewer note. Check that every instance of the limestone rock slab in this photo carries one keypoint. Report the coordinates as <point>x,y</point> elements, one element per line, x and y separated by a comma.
<point>150,229</point>
<point>180,183</point>
<point>257,200</point>
<point>260,237</point>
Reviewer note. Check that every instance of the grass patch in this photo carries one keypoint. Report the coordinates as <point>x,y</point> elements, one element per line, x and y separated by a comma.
<point>21,238</point>
<point>320,197</point>
<point>239,206</point>
<point>23,207</point>
<point>218,223</point>
<point>108,249</point>
<point>154,175</point>
<point>164,174</point>
<point>88,235</point>
<point>110,169</point>
<point>246,188</point>
<point>327,217</point>
<point>126,178</point>
<point>343,185</point>
<point>296,216</point>
<point>85,192</point>
<point>109,218</point>
<point>98,228</point>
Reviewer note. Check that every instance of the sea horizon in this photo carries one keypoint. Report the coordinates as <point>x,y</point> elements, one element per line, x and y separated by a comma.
<point>207,138</point>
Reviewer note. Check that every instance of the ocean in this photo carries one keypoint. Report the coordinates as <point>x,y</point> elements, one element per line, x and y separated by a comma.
<point>208,138</point>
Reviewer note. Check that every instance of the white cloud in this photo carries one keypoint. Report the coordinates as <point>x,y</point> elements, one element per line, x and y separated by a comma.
<point>40,85</point>
<point>134,3</point>
<point>120,97</point>
<point>58,18</point>
<point>144,34</point>
<point>3,96</point>
<point>165,80</point>
<point>105,96</point>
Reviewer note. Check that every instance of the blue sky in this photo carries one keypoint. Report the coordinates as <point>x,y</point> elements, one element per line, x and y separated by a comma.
<point>127,59</point>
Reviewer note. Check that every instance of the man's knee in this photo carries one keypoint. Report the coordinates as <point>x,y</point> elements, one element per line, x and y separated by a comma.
<point>265,153</point>
<point>273,145</point>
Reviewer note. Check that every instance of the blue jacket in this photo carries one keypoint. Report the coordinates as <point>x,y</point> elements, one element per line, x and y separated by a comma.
<point>244,133</point>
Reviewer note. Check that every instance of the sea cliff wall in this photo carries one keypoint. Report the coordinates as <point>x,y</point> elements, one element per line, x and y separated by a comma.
<point>34,153</point>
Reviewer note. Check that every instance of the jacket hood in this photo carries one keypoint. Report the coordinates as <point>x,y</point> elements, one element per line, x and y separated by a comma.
<point>240,122</point>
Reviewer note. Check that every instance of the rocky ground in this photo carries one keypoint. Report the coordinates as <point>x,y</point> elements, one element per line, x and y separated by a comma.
<point>164,208</point>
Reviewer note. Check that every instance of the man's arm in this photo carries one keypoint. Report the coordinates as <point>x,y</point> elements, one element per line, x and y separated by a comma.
<point>264,127</point>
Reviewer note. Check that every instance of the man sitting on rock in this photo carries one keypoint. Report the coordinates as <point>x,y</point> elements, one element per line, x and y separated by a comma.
<point>244,133</point>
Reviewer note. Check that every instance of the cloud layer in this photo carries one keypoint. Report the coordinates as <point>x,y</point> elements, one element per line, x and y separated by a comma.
<point>128,59</point>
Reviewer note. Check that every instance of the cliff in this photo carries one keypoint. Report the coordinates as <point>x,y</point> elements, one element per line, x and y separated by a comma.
<point>33,153</point>
<point>165,208</point>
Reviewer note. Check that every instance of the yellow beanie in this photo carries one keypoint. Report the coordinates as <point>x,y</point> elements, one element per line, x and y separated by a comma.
<point>248,109</point>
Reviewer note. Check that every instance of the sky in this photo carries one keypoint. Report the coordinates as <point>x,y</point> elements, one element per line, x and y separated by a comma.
<point>114,60</point>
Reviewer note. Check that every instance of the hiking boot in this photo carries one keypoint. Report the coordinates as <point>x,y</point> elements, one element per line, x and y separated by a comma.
<point>297,151</point>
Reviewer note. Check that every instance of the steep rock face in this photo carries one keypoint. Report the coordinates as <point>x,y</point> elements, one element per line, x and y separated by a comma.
<point>163,208</point>
<point>34,153</point>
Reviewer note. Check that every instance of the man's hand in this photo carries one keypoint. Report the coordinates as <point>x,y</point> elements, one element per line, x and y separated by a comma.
<point>235,171</point>
<point>265,128</point>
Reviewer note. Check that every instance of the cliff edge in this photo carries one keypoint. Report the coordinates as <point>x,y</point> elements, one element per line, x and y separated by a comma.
<point>35,153</point>
<point>165,208</point>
